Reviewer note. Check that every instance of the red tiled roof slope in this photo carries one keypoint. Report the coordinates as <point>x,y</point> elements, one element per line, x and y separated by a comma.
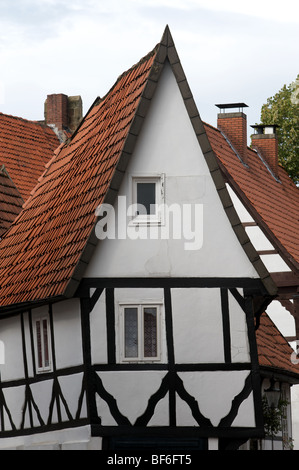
<point>10,201</point>
<point>25,148</point>
<point>277,204</point>
<point>273,349</point>
<point>41,250</point>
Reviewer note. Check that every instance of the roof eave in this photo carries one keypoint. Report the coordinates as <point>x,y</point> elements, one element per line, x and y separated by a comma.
<point>15,309</point>
<point>280,375</point>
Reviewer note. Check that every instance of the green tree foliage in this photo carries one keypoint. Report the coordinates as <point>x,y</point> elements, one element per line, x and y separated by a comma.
<point>283,109</point>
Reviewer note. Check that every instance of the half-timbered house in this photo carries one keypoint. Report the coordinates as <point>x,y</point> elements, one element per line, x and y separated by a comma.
<point>129,287</point>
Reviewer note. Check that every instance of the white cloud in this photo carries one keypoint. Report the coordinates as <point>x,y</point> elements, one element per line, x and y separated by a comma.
<point>288,11</point>
<point>82,46</point>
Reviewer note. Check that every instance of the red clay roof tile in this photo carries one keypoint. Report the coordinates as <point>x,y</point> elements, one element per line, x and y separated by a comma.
<point>25,147</point>
<point>10,201</point>
<point>40,252</point>
<point>273,349</point>
<point>277,204</point>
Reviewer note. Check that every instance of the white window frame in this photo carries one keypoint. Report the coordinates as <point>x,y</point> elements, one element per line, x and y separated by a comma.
<point>140,306</point>
<point>149,219</point>
<point>41,346</point>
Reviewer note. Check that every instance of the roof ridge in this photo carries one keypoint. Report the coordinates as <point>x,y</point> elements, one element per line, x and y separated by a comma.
<point>126,72</point>
<point>19,118</point>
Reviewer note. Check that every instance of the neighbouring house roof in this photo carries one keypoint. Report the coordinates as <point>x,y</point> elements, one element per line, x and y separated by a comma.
<point>276,357</point>
<point>25,147</point>
<point>274,205</point>
<point>46,251</point>
<point>10,201</point>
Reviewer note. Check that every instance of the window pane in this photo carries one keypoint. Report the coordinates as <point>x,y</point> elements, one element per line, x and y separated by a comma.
<point>39,344</point>
<point>146,196</point>
<point>150,331</point>
<point>46,344</point>
<point>131,332</point>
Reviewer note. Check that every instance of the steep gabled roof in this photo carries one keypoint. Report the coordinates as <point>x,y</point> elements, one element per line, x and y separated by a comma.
<point>276,357</point>
<point>10,201</point>
<point>25,148</point>
<point>273,204</point>
<point>42,249</point>
<point>46,251</point>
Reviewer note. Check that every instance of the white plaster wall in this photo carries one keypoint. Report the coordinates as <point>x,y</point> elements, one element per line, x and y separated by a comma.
<point>98,331</point>
<point>197,325</point>
<point>132,390</point>
<point>168,145</point>
<point>214,392</point>
<point>14,398</point>
<point>67,332</point>
<point>11,338</point>
<point>238,331</point>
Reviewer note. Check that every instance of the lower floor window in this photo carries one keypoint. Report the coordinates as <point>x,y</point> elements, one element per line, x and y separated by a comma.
<point>42,344</point>
<point>140,332</point>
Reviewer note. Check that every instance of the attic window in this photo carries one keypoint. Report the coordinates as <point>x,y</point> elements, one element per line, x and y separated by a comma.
<point>147,198</point>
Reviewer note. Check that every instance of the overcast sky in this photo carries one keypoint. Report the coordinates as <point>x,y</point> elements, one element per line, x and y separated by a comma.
<point>231,51</point>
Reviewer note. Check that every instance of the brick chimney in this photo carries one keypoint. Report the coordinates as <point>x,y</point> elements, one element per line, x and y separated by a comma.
<point>74,112</point>
<point>62,111</point>
<point>56,111</point>
<point>266,143</point>
<point>234,127</point>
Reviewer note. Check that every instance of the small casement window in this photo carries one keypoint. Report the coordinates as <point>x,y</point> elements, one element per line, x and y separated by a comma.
<point>43,350</point>
<point>140,331</point>
<point>148,199</point>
